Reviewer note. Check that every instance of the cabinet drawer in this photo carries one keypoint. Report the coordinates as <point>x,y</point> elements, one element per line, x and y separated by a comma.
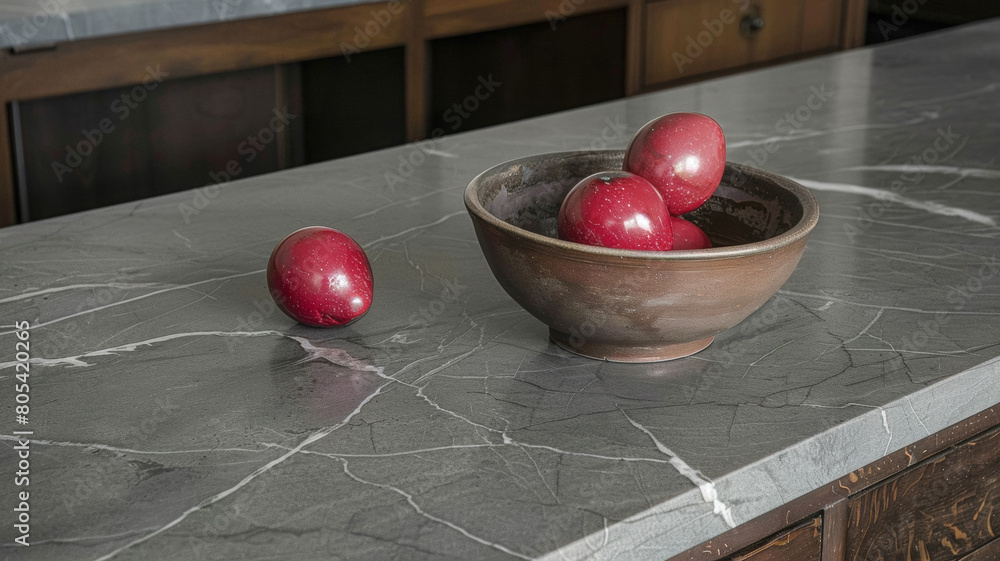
<point>941,509</point>
<point>803,542</point>
<point>685,38</point>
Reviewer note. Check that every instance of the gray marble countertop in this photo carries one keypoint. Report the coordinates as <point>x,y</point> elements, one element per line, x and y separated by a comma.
<point>177,415</point>
<point>24,23</point>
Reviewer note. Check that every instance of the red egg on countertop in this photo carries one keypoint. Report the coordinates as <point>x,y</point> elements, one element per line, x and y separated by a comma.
<point>320,277</point>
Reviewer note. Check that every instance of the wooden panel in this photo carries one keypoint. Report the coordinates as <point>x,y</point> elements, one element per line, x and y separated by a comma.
<point>355,107</point>
<point>94,149</point>
<point>989,552</point>
<point>446,18</point>
<point>854,22</point>
<point>821,22</point>
<point>8,214</point>
<point>801,543</point>
<point>416,76</point>
<point>124,60</point>
<point>633,46</point>
<point>941,509</point>
<point>498,76</point>
<point>78,66</point>
<point>782,32</point>
<point>685,38</point>
<point>835,520</point>
<point>672,48</point>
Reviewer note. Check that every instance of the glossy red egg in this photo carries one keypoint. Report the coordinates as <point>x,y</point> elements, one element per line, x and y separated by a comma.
<point>683,155</point>
<point>688,235</point>
<point>320,277</point>
<point>616,209</point>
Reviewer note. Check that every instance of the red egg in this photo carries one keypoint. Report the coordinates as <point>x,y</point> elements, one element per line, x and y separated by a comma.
<point>688,235</point>
<point>616,209</point>
<point>683,155</point>
<point>320,277</point>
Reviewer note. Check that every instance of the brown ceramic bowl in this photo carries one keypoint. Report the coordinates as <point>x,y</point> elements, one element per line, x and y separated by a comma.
<point>628,305</point>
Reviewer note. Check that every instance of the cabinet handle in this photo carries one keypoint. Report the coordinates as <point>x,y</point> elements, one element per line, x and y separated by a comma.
<point>751,24</point>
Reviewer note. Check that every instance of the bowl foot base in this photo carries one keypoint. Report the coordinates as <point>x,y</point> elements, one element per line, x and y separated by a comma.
<point>618,353</point>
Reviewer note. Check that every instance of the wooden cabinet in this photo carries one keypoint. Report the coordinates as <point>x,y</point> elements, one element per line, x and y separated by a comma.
<point>937,499</point>
<point>544,47</point>
<point>942,509</point>
<point>803,542</point>
<point>989,552</point>
<point>687,38</point>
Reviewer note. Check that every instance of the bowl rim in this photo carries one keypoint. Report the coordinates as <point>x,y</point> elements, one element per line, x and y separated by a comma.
<point>801,229</point>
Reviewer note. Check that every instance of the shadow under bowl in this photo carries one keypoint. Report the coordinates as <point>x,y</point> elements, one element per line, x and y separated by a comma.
<point>631,305</point>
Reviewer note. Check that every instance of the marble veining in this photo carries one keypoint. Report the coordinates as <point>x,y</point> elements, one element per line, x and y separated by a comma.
<point>177,414</point>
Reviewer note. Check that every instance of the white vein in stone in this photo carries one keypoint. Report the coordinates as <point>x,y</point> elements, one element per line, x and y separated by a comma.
<point>140,297</point>
<point>77,361</point>
<point>429,516</point>
<point>988,88</point>
<point>885,195</point>
<point>406,201</point>
<point>978,173</point>
<point>708,491</point>
<point>917,416</point>
<point>90,445</point>
<point>896,308</point>
<point>803,134</point>
<point>867,327</point>
<point>413,229</point>
<point>315,436</point>
<point>94,538</point>
<point>117,285</point>
<point>885,418</point>
<point>440,153</point>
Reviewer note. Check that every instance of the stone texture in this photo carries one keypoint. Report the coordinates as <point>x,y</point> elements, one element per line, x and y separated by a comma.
<point>178,415</point>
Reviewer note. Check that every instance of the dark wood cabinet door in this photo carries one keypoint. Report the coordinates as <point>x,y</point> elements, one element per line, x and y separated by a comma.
<point>803,542</point>
<point>494,77</point>
<point>940,510</point>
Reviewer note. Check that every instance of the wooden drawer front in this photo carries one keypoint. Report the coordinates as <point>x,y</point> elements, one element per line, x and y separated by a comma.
<point>801,543</point>
<point>939,510</point>
<point>989,552</point>
<point>689,37</point>
<point>448,18</point>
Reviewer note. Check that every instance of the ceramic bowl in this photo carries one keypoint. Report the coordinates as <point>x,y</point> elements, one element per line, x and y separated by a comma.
<point>628,305</point>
